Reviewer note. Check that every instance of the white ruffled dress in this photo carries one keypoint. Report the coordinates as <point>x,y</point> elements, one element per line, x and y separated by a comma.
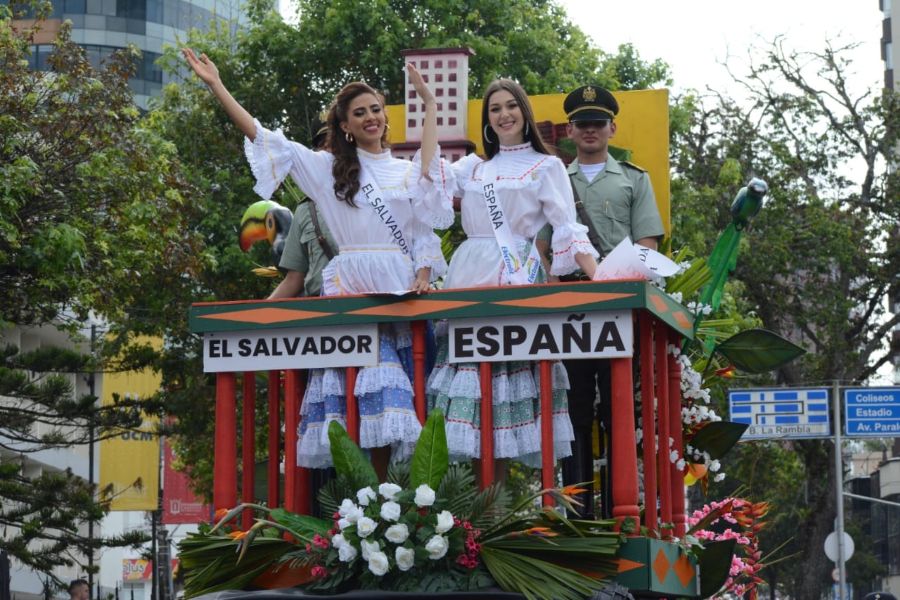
<point>368,261</point>
<point>533,189</point>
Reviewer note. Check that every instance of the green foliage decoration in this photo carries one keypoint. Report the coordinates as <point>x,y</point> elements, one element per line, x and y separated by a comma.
<point>349,460</point>
<point>431,457</point>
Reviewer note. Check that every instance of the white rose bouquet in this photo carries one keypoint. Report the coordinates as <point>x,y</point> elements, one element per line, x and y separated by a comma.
<point>397,539</point>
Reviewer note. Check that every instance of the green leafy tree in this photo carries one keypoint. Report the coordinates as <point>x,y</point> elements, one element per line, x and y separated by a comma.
<point>94,219</point>
<point>532,41</point>
<point>819,260</point>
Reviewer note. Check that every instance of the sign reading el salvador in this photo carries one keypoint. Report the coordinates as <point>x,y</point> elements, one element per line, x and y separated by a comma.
<point>781,413</point>
<point>300,348</point>
<point>872,412</point>
<point>536,337</point>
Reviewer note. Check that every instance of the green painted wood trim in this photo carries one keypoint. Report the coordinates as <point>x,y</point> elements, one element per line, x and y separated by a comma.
<point>644,579</point>
<point>453,304</point>
<point>675,315</point>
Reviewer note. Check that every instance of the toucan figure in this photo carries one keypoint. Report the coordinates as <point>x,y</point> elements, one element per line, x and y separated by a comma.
<point>265,220</point>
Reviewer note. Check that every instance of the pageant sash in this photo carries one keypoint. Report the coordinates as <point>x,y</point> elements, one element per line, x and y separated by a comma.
<point>371,193</point>
<point>516,272</point>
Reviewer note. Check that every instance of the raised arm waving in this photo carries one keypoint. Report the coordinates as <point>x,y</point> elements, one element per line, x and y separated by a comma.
<point>208,73</point>
<point>429,129</point>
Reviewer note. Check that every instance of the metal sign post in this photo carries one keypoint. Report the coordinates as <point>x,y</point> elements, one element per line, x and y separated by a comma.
<point>839,490</point>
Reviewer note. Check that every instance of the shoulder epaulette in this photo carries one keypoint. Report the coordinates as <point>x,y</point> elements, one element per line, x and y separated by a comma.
<point>633,166</point>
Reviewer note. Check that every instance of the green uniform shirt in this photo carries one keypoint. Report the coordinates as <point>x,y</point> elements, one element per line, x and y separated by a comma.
<point>619,201</point>
<point>302,251</point>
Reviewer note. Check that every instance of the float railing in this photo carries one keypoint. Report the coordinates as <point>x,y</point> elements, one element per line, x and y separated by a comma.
<point>238,339</point>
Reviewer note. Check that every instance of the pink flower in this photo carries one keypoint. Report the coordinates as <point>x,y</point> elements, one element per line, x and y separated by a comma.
<point>319,572</point>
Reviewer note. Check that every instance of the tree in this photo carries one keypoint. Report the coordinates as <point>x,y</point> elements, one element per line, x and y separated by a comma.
<point>531,41</point>
<point>94,219</point>
<point>822,257</point>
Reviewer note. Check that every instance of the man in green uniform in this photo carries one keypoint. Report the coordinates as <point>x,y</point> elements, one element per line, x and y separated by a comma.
<point>309,245</point>
<point>615,200</point>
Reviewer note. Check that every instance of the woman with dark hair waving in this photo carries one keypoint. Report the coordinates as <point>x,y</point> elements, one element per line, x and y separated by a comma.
<point>506,200</point>
<point>382,212</point>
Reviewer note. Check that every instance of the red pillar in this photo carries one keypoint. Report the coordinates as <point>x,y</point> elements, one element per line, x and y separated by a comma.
<point>487,425</point>
<point>547,453</point>
<point>248,444</point>
<point>292,385</point>
<point>225,459</point>
<point>352,408</point>
<point>662,411</point>
<point>648,419</point>
<point>418,350</point>
<point>678,516</point>
<point>624,473</point>
<point>274,436</point>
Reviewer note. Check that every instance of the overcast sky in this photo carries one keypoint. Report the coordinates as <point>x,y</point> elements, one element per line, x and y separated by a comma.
<point>694,36</point>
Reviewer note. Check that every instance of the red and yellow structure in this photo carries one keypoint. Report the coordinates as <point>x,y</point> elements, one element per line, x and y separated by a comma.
<point>658,323</point>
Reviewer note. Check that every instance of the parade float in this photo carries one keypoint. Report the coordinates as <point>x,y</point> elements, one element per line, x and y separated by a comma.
<point>434,527</point>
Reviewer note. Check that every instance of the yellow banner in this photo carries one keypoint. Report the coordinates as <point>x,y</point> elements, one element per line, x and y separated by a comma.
<point>129,462</point>
<point>642,128</point>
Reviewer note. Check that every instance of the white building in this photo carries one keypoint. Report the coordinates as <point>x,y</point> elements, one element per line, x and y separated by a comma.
<point>118,576</point>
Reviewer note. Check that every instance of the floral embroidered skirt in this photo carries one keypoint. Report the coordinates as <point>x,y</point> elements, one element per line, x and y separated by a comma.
<point>455,389</point>
<point>387,415</point>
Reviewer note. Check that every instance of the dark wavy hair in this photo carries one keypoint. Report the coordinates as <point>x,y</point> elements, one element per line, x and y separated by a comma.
<point>346,163</point>
<point>533,136</point>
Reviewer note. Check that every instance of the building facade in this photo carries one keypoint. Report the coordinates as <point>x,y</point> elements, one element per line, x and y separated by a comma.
<point>890,52</point>
<point>25,583</point>
<point>103,26</point>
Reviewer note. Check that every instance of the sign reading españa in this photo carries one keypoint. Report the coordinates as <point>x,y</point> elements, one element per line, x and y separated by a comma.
<point>129,461</point>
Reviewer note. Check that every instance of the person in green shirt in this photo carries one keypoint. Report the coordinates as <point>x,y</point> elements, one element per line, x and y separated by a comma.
<point>617,199</point>
<point>309,245</point>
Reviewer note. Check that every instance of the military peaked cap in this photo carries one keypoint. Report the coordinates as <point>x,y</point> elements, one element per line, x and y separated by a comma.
<point>590,103</point>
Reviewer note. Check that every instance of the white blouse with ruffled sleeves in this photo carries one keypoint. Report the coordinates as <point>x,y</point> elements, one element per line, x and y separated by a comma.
<point>369,260</point>
<point>533,189</point>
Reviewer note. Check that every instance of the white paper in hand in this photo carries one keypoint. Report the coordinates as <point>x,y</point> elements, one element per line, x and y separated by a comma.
<point>633,261</point>
<point>659,264</point>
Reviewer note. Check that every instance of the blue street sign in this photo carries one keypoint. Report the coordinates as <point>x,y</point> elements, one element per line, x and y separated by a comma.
<point>782,412</point>
<point>872,412</point>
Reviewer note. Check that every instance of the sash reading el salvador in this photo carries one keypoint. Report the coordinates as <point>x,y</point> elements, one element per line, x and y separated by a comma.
<point>368,189</point>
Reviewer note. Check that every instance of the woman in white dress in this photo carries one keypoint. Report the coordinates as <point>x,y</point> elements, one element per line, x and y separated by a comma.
<point>382,212</point>
<point>506,200</point>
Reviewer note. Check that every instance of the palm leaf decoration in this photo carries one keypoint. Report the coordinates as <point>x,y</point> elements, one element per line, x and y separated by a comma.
<point>212,563</point>
<point>491,503</point>
<point>398,472</point>
<point>458,489</point>
<point>537,579</point>
<point>332,493</point>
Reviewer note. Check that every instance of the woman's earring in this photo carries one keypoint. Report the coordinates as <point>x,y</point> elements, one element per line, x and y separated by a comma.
<point>487,138</point>
<point>349,137</point>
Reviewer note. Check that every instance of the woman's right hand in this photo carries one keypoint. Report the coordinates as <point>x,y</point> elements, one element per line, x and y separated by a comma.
<point>204,68</point>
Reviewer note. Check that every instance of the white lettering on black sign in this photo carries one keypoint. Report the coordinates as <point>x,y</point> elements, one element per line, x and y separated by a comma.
<point>300,348</point>
<point>554,336</point>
